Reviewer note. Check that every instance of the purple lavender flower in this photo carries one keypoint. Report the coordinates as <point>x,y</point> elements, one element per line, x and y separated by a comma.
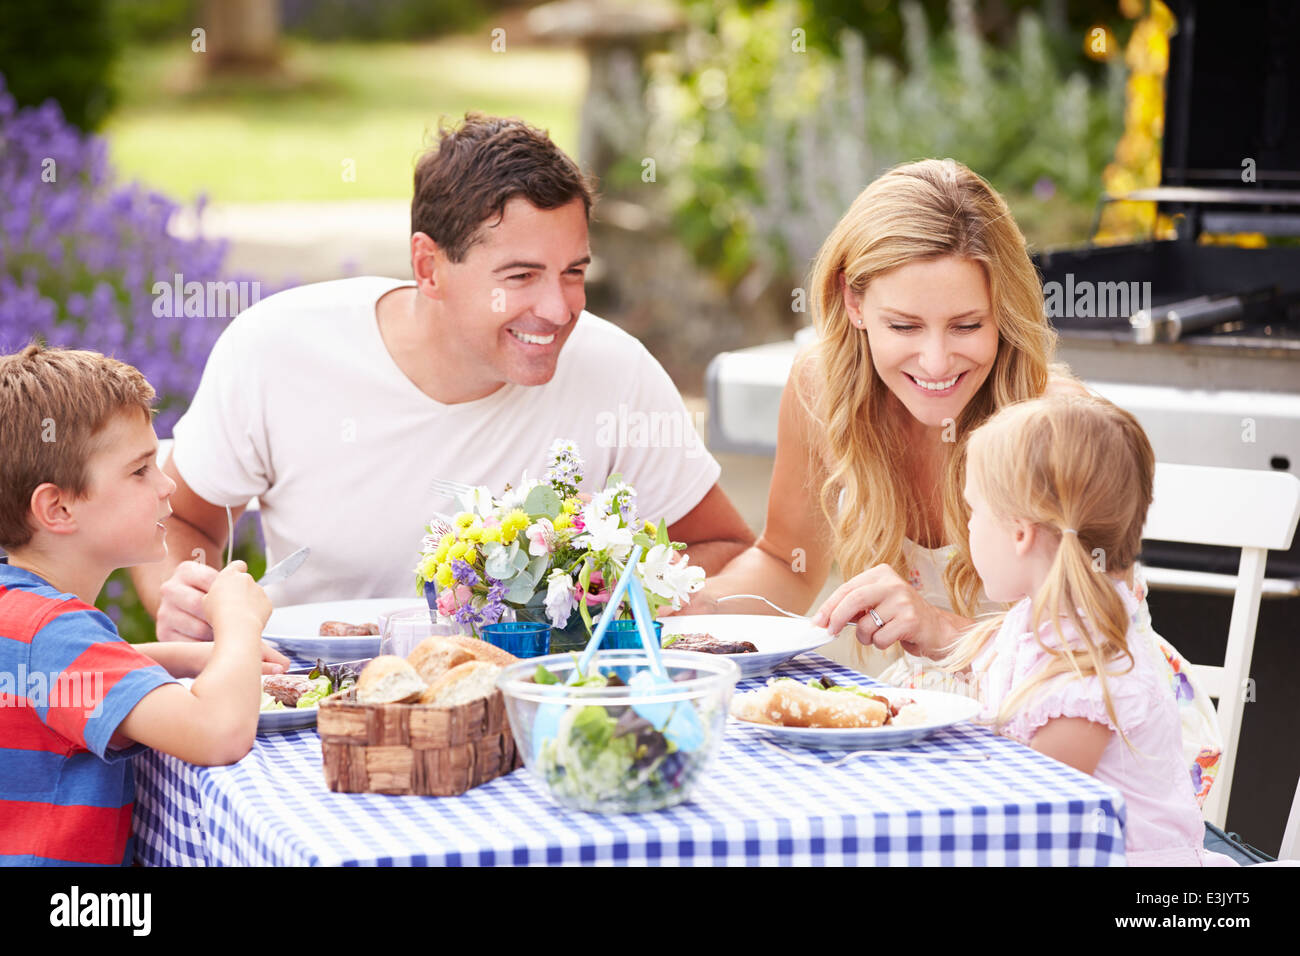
<point>494,606</point>
<point>80,256</point>
<point>463,572</point>
<point>467,616</point>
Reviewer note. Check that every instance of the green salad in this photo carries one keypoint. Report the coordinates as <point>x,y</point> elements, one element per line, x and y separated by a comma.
<point>602,754</point>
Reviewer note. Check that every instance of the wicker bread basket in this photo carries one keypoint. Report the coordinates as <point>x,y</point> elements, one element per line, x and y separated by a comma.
<point>414,748</point>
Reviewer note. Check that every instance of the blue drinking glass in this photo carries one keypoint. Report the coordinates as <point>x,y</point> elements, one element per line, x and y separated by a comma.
<point>520,638</point>
<point>623,635</point>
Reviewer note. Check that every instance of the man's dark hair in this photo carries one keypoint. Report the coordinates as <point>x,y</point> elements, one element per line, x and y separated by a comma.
<point>481,165</point>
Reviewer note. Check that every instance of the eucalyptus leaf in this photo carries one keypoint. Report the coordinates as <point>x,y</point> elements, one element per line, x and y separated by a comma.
<point>537,567</point>
<point>520,562</point>
<point>544,502</point>
<point>521,589</point>
<point>499,565</point>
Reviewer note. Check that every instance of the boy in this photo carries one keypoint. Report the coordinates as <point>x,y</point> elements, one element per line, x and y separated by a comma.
<point>80,495</point>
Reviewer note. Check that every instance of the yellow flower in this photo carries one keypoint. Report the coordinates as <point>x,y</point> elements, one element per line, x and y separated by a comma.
<point>516,520</point>
<point>651,529</point>
<point>443,578</point>
<point>492,534</point>
<point>428,568</point>
<point>447,539</point>
<point>571,506</point>
<point>472,533</point>
<point>457,550</point>
<point>471,555</point>
<point>464,520</point>
<point>563,522</point>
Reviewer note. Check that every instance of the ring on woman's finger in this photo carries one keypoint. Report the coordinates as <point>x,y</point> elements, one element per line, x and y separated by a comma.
<point>875,617</point>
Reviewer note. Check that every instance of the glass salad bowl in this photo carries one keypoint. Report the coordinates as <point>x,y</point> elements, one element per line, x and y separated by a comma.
<point>620,740</point>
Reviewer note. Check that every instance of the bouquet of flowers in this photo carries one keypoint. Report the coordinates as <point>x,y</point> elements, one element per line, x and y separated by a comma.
<point>540,551</point>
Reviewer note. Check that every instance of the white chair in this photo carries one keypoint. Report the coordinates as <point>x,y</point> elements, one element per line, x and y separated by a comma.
<point>1230,507</point>
<point>1290,849</point>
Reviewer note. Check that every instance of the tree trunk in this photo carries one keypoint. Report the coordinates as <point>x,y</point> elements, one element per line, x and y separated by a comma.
<point>242,35</point>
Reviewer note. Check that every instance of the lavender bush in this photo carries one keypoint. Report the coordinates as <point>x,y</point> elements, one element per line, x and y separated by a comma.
<point>79,256</point>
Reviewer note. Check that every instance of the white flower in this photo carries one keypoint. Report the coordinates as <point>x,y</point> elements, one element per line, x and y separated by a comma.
<point>669,578</point>
<point>515,497</point>
<point>560,598</point>
<point>477,501</point>
<point>601,532</point>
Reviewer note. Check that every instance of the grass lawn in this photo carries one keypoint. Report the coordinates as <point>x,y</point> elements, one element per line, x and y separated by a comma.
<point>290,137</point>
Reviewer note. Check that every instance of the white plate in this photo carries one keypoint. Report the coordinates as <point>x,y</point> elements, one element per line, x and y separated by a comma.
<point>291,718</point>
<point>778,639</point>
<point>295,718</point>
<point>295,629</point>
<point>941,710</point>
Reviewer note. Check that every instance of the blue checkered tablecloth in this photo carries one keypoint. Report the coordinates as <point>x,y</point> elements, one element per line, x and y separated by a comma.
<point>754,805</point>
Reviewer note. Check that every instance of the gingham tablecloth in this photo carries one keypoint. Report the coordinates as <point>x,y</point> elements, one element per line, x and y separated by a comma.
<point>753,806</point>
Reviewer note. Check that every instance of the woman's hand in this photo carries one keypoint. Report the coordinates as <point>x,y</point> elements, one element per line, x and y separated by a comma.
<point>905,616</point>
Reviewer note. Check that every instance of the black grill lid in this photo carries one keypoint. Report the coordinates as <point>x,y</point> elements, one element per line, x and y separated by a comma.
<point>1232,93</point>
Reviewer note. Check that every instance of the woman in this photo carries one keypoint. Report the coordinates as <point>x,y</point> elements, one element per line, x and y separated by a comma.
<point>930,319</point>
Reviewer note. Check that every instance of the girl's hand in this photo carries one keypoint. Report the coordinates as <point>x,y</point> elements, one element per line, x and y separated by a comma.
<point>905,616</point>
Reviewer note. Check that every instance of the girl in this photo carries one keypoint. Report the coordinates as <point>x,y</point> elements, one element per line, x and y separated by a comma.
<point>1058,490</point>
<point>930,319</point>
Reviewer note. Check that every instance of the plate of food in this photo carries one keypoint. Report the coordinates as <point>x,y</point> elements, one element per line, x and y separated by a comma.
<point>333,630</point>
<point>290,701</point>
<point>758,643</point>
<point>826,715</point>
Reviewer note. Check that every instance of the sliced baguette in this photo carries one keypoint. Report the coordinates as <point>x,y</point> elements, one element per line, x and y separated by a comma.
<point>388,680</point>
<point>434,656</point>
<point>483,651</point>
<point>792,704</point>
<point>462,684</point>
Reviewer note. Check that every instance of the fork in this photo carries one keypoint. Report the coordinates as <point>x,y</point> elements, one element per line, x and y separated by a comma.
<point>759,597</point>
<point>452,489</point>
<point>814,762</point>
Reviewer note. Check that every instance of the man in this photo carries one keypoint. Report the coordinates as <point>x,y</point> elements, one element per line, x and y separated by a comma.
<point>338,405</point>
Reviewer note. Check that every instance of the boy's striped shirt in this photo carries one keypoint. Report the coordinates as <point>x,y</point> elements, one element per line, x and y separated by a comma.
<point>67,680</point>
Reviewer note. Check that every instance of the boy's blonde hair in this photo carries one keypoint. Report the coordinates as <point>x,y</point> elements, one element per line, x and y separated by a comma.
<point>53,404</point>
<point>1072,462</point>
<point>916,212</point>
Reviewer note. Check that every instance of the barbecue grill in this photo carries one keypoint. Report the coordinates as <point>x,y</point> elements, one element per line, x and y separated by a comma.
<point>1200,341</point>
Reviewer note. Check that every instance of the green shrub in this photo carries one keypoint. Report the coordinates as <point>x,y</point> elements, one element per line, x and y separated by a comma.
<point>762,140</point>
<point>64,54</point>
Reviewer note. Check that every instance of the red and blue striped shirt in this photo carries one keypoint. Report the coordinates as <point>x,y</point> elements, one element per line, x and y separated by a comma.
<point>67,680</point>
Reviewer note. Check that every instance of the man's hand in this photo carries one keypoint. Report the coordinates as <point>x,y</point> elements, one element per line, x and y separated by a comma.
<point>180,610</point>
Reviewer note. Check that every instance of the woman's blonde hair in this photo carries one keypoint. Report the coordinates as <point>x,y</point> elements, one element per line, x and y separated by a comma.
<point>919,211</point>
<point>1067,462</point>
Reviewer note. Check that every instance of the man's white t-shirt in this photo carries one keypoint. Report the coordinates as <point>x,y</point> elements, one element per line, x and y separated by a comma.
<point>302,407</point>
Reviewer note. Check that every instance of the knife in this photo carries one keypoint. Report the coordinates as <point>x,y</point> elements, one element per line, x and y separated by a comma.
<point>284,568</point>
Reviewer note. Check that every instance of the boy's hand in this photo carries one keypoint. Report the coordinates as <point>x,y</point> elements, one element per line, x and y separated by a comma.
<point>235,598</point>
<point>188,658</point>
<point>180,608</point>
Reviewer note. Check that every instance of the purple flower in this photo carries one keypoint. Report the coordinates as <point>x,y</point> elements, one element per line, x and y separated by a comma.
<point>494,606</point>
<point>463,572</point>
<point>80,255</point>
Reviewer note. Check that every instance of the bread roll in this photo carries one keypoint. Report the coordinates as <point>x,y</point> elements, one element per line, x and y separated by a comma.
<point>792,704</point>
<point>388,680</point>
<point>483,651</point>
<point>434,656</point>
<point>462,684</point>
